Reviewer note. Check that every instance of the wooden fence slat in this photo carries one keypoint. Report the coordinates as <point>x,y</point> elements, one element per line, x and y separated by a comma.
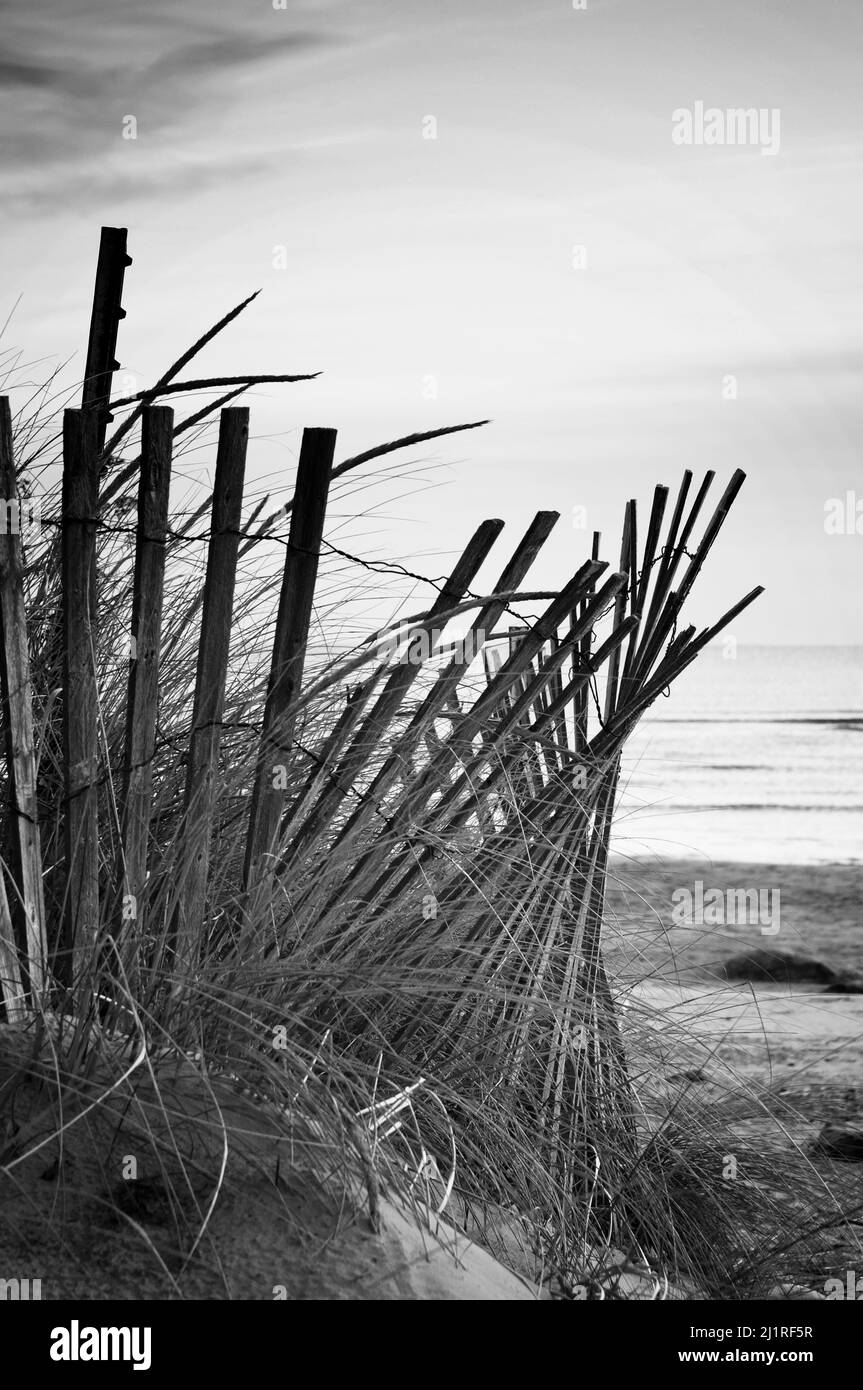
<point>18,713</point>
<point>209,702</point>
<point>80,743</point>
<point>619,612</point>
<point>581,661</point>
<point>157,429</point>
<point>289,647</point>
<point>525,772</point>
<point>104,322</point>
<point>557,734</point>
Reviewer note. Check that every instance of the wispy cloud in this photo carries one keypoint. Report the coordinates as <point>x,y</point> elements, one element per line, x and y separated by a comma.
<point>115,181</point>
<point>72,70</point>
<point>18,72</point>
<point>213,56</point>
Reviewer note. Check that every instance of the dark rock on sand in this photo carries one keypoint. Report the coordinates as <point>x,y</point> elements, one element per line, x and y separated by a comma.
<point>836,1141</point>
<point>762,965</point>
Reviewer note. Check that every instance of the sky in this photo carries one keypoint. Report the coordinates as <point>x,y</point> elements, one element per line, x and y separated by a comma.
<point>478,209</point>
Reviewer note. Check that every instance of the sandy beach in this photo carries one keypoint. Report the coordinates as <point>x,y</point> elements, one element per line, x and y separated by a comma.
<point>820,914</point>
<point>803,1036</point>
<point>793,1047</point>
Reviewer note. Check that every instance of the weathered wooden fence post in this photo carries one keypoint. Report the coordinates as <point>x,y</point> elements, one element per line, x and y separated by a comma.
<point>17,709</point>
<point>157,429</point>
<point>104,322</point>
<point>18,713</point>
<point>289,648</point>
<point>212,671</point>
<point>80,695</point>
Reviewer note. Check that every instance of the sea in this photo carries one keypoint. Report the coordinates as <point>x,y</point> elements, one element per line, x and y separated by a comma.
<point>754,754</point>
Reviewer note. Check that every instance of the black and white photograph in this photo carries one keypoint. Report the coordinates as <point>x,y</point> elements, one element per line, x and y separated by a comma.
<point>431,659</point>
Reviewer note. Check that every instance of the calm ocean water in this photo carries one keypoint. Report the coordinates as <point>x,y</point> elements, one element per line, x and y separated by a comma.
<point>755,757</point>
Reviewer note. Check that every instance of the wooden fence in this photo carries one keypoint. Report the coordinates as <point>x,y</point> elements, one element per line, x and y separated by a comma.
<point>525,775</point>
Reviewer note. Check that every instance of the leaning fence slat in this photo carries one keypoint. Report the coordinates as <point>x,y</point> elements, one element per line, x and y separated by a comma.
<point>289,648</point>
<point>581,661</point>
<point>104,322</point>
<point>637,604</point>
<point>80,713</point>
<point>157,427</point>
<point>18,712</point>
<point>209,701</point>
<point>619,612</point>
